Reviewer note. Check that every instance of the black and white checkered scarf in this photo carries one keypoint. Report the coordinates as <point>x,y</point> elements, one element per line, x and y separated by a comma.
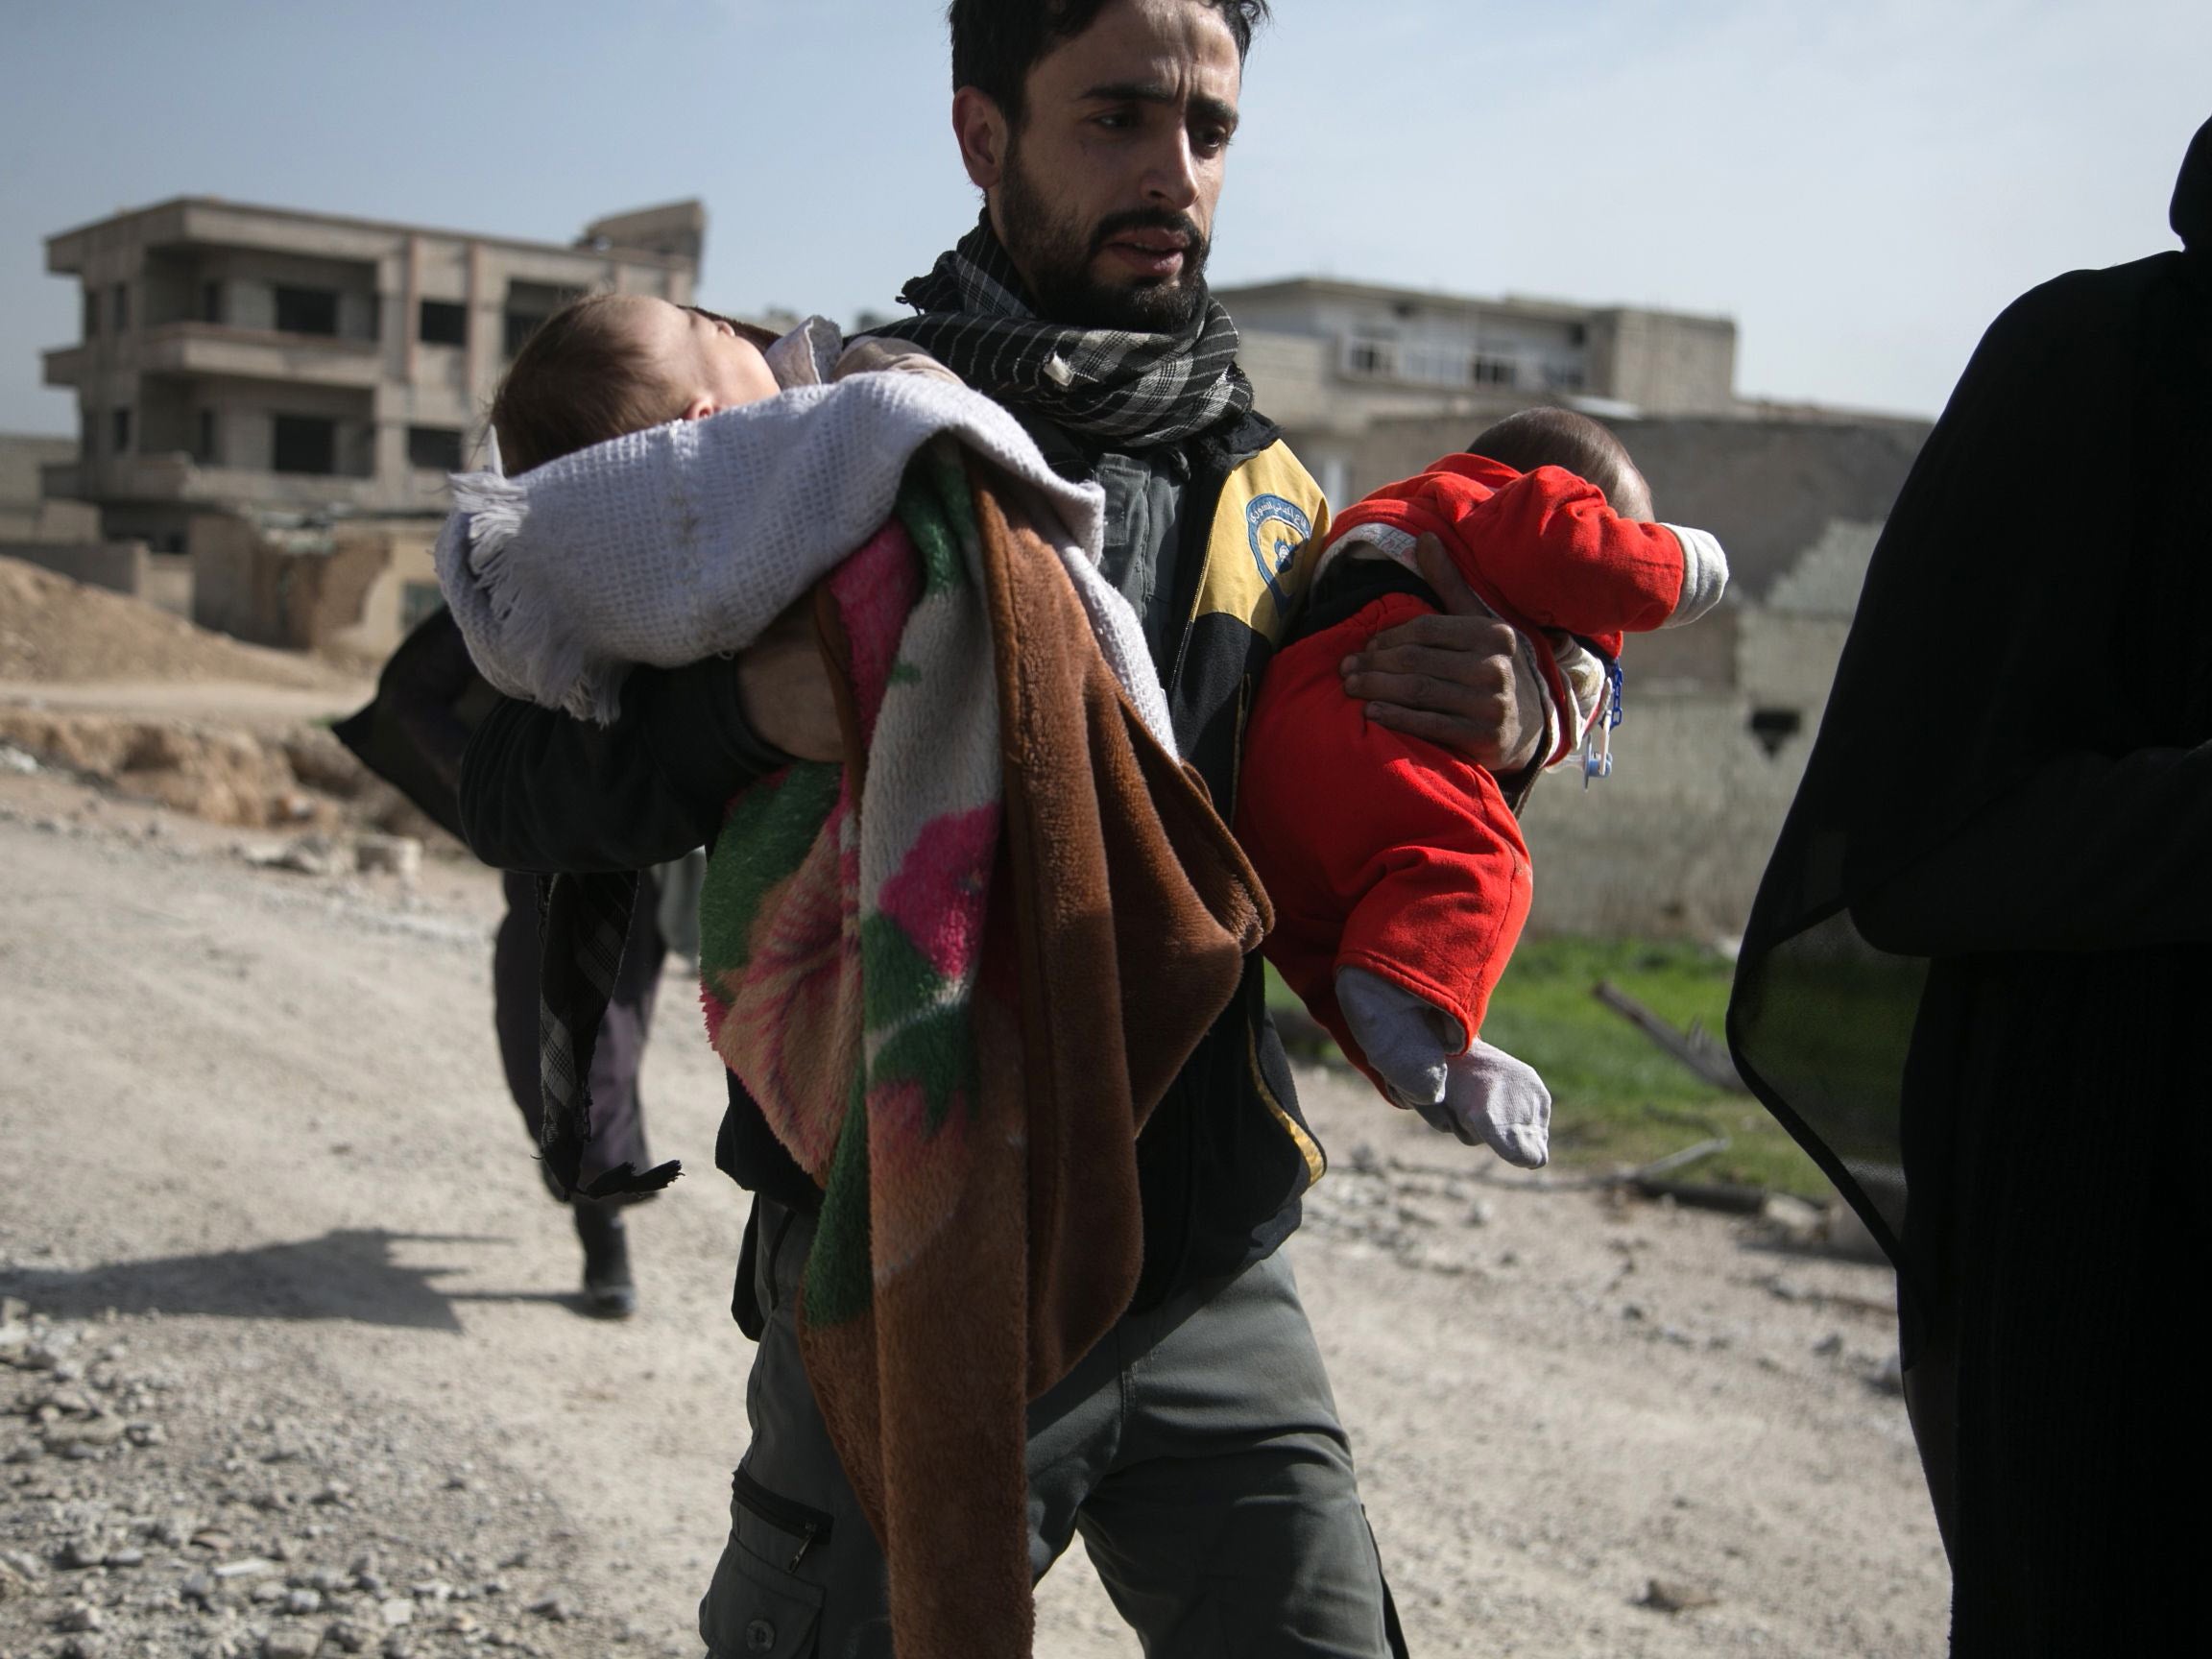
<point>1134,389</point>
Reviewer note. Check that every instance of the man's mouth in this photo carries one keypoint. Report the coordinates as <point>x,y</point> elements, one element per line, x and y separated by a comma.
<point>1149,252</point>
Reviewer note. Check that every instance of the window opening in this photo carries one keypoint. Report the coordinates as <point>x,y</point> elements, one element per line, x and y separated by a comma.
<point>307,311</point>
<point>303,443</point>
<point>441,323</point>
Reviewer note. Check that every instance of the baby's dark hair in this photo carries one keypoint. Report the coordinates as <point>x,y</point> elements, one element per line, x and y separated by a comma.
<point>1551,437</point>
<point>578,380</point>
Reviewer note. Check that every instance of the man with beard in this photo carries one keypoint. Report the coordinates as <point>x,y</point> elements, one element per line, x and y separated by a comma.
<point>1196,1448</point>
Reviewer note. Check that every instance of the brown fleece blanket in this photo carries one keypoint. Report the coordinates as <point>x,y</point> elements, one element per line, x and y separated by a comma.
<point>976,1137</point>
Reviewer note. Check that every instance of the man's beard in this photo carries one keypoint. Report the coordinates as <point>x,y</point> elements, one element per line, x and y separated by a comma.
<point>1055,254</point>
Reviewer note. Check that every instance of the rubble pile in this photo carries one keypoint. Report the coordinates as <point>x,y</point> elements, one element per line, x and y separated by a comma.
<point>143,1517</point>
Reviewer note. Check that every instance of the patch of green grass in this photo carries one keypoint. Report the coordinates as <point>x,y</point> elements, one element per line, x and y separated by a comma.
<point>1617,1098</point>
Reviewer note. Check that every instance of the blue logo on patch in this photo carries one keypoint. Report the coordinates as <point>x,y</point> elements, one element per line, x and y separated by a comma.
<point>1275,530</point>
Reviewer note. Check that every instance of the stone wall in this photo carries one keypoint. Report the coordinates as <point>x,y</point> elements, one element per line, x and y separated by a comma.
<point>1675,842</point>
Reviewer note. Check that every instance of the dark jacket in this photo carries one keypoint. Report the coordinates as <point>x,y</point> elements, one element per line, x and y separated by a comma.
<point>1209,540</point>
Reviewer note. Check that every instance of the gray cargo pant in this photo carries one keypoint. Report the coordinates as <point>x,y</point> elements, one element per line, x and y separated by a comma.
<point>1196,1449</point>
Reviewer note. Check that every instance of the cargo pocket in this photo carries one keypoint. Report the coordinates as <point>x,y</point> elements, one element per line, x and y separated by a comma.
<point>758,1606</point>
<point>755,1610</point>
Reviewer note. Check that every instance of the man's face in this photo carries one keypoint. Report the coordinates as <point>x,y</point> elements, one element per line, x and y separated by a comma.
<point>1105,194</point>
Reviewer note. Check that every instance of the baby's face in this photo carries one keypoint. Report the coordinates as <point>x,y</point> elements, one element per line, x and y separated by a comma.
<point>706,364</point>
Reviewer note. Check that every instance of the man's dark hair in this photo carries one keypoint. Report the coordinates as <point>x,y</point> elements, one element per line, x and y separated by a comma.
<point>997,42</point>
<point>1551,437</point>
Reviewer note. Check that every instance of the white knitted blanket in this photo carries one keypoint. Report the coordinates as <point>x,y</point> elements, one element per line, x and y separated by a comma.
<point>675,543</point>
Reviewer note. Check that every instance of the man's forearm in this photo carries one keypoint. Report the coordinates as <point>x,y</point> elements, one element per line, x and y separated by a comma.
<point>542,791</point>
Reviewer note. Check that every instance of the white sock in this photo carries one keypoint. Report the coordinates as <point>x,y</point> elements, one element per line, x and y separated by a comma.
<point>1492,1097</point>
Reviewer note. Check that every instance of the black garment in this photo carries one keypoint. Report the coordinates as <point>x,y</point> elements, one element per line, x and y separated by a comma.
<point>414,735</point>
<point>618,1106</point>
<point>1975,972</point>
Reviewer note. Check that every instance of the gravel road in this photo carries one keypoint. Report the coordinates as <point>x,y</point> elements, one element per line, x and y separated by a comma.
<point>290,1361</point>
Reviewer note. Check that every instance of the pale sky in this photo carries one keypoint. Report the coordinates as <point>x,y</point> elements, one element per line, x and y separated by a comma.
<point>1861,186</point>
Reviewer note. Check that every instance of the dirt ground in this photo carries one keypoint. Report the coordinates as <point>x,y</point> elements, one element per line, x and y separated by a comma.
<point>290,1361</point>
<point>295,1365</point>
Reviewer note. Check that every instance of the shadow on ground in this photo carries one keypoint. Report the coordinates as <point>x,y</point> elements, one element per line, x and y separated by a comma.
<point>348,1273</point>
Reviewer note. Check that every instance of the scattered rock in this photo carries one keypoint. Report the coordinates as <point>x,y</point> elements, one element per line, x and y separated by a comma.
<point>1889,1375</point>
<point>1676,1595</point>
<point>1794,1220</point>
<point>555,1609</point>
<point>291,1644</point>
<point>395,1611</point>
<point>305,856</point>
<point>1847,1236</point>
<point>79,1616</point>
<point>399,855</point>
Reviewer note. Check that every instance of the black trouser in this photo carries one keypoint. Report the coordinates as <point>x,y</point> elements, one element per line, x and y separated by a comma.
<point>617,1114</point>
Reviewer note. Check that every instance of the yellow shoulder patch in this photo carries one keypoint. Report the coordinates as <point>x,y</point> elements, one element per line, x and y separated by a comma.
<point>1267,531</point>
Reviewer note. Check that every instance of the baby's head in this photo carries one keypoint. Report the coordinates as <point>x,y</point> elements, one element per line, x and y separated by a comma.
<point>615,363</point>
<point>1537,437</point>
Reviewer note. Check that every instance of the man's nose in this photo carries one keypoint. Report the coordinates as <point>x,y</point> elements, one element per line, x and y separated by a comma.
<point>1171,173</point>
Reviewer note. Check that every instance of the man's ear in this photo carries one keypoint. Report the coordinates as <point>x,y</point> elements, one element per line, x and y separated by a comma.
<point>980,126</point>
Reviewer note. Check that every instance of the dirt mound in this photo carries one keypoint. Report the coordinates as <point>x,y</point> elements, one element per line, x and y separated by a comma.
<point>304,779</point>
<point>54,629</point>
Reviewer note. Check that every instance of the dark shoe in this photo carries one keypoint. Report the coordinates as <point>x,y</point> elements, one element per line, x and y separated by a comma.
<point>609,1291</point>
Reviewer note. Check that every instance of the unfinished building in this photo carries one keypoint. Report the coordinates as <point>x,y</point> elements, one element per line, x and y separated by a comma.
<point>271,370</point>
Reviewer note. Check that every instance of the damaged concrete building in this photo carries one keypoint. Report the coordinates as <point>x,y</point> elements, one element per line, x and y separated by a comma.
<point>275,398</point>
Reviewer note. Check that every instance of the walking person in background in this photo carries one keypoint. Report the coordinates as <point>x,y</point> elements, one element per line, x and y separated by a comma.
<point>429,699</point>
<point>1977,972</point>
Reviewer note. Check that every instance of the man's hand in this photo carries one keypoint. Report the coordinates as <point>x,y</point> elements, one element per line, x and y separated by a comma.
<point>783,686</point>
<point>1453,677</point>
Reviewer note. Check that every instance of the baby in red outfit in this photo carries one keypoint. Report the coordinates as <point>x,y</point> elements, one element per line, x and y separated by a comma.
<point>1399,875</point>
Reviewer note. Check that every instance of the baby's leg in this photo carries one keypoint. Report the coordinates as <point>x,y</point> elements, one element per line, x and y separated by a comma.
<point>1475,1090</point>
<point>1492,1097</point>
<point>1404,1038</point>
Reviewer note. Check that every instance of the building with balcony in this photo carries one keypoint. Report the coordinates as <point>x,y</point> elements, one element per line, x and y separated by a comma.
<point>244,362</point>
<point>1330,358</point>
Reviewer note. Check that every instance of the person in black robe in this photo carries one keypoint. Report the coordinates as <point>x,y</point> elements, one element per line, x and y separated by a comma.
<point>429,699</point>
<point>1976,975</point>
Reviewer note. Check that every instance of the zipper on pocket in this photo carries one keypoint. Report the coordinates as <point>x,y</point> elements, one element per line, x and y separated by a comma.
<point>810,1526</point>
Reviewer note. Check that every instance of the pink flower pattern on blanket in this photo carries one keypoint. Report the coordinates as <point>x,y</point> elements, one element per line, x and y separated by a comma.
<point>938,895</point>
